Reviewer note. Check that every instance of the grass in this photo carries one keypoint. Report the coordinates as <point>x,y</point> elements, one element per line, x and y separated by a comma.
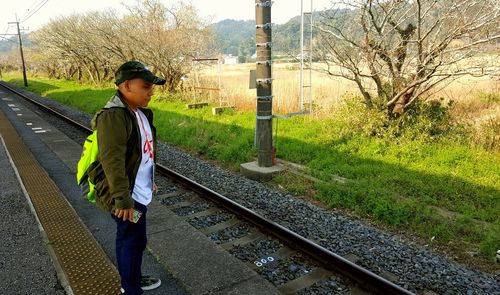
<point>435,186</point>
<point>83,97</point>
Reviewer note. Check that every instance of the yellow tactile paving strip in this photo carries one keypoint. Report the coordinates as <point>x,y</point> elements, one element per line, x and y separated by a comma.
<point>86,266</point>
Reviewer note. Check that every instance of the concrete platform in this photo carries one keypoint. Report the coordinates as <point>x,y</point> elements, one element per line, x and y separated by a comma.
<point>194,260</point>
<point>25,261</point>
<point>83,263</point>
<point>253,171</point>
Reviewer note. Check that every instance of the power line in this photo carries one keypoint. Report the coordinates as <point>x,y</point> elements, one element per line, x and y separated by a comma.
<point>8,39</point>
<point>8,27</point>
<point>32,6</point>
<point>32,10</point>
<point>35,10</point>
<point>5,34</point>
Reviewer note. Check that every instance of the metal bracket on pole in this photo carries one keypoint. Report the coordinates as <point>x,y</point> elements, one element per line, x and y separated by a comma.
<point>265,117</point>
<point>266,98</point>
<point>267,44</point>
<point>265,62</point>
<point>267,26</point>
<point>287,116</point>
<point>264,81</point>
<point>264,4</point>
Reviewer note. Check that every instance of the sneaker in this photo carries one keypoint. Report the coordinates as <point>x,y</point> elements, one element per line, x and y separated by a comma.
<point>149,283</point>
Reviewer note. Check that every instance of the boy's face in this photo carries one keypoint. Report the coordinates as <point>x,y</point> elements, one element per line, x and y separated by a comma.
<point>137,92</point>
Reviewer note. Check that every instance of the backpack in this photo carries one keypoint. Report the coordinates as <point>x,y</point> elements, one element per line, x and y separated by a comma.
<point>89,156</point>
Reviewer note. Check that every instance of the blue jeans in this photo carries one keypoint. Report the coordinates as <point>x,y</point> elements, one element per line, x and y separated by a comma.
<point>130,244</point>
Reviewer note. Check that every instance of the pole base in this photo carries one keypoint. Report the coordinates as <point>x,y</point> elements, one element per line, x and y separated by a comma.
<point>253,171</point>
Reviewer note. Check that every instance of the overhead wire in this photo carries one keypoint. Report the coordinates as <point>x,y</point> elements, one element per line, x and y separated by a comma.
<point>6,30</point>
<point>8,39</point>
<point>4,34</point>
<point>29,13</point>
<point>31,7</point>
<point>34,10</point>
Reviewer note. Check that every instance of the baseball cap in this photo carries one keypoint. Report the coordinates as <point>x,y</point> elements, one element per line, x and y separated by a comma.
<point>134,69</point>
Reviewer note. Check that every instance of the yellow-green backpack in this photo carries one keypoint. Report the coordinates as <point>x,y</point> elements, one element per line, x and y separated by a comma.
<point>89,156</point>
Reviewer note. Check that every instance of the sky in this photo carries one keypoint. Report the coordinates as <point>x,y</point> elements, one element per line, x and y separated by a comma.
<point>44,10</point>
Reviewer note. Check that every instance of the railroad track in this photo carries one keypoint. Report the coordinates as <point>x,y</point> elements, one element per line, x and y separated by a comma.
<point>263,244</point>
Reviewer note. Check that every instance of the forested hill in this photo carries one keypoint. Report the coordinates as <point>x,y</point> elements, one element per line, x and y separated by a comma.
<point>12,43</point>
<point>8,44</point>
<point>238,37</point>
<point>235,36</point>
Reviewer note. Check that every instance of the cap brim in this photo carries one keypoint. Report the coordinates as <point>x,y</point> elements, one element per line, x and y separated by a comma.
<point>151,78</point>
<point>147,76</point>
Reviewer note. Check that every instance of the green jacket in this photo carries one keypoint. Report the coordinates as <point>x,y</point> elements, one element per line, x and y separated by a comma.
<point>120,153</point>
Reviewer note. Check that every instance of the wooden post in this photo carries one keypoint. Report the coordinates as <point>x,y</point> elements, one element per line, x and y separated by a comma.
<point>22,54</point>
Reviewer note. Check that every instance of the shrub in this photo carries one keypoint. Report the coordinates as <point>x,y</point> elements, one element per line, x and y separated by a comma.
<point>425,120</point>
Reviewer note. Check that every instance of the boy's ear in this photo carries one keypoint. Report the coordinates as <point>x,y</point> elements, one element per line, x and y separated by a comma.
<point>126,85</point>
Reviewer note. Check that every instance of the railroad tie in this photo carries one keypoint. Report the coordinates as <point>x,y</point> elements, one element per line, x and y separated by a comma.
<point>85,265</point>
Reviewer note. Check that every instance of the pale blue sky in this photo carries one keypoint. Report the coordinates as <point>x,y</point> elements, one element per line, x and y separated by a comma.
<point>214,9</point>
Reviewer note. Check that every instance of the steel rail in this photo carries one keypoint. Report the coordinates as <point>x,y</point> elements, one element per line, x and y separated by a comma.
<point>328,259</point>
<point>46,108</point>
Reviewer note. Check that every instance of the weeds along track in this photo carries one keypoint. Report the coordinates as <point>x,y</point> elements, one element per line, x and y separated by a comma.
<point>299,261</point>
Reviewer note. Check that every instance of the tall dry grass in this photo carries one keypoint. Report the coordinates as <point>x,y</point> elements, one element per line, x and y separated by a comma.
<point>476,104</point>
<point>326,92</point>
<point>475,99</point>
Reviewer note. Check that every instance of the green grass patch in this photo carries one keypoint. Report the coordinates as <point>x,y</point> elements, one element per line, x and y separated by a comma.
<point>83,97</point>
<point>424,178</point>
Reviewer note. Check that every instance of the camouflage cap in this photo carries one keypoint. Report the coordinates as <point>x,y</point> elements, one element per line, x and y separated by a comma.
<point>134,69</point>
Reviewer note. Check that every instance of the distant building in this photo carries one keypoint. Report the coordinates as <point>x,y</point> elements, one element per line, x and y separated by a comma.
<point>230,59</point>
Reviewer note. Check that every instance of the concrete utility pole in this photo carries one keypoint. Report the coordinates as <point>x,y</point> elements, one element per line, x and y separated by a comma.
<point>22,54</point>
<point>263,168</point>
<point>264,126</point>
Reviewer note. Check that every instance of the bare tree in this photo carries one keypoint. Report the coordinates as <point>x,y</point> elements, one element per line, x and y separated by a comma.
<point>9,61</point>
<point>167,38</point>
<point>74,45</point>
<point>92,45</point>
<point>403,49</point>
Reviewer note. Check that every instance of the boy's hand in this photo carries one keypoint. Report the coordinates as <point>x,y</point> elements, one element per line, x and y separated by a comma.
<point>155,188</point>
<point>125,214</point>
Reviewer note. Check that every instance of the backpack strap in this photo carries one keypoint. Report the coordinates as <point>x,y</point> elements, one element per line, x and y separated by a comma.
<point>127,117</point>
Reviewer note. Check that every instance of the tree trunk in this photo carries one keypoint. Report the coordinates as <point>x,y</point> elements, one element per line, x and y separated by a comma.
<point>399,107</point>
<point>366,95</point>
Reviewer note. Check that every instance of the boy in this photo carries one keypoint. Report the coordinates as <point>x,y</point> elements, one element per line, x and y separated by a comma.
<point>123,175</point>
